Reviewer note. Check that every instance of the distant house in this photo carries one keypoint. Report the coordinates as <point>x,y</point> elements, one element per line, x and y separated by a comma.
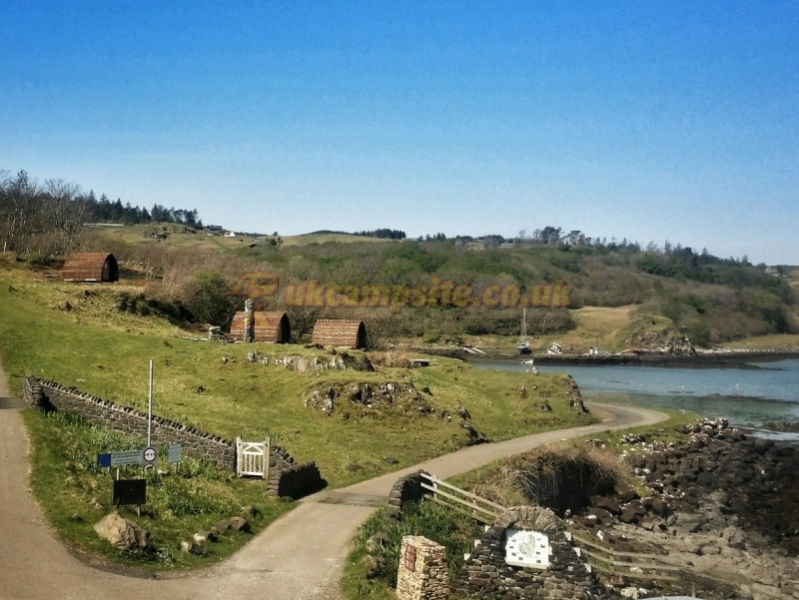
<point>339,333</point>
<point>214,227</point>
<point>230,234</point>
<point>90,267</point>
<point>269,327</point>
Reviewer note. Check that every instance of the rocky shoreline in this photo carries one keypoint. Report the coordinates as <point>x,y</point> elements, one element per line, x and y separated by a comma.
<point>720,506</point>
<point>699,358</point>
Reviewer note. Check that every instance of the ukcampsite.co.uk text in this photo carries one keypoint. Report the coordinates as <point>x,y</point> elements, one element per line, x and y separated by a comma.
<point>437,293</point>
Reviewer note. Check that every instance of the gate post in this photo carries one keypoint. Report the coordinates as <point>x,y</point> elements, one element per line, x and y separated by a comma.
<point>423,573</point>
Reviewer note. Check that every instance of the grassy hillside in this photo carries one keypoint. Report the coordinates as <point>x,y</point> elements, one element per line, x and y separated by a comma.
<point>619,294</point>
<point>82,336</point>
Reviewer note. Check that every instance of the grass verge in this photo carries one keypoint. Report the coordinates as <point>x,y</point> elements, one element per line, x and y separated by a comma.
<point>190,497</point>
<point>371,567</point>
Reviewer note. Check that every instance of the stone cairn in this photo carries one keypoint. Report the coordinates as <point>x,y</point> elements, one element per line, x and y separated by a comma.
<point>423,573</point>
<point>249,321</point>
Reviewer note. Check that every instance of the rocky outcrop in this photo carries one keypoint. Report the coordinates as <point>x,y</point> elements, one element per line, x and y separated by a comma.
<point>338,361</point>
<point>385,399</point>
<point>720,504</point>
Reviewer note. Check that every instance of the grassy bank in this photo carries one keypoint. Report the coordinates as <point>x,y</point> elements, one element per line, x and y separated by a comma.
<point>371,567</point>
<point>190,497</point>
<point>79,336</point>
<point>88,337</point>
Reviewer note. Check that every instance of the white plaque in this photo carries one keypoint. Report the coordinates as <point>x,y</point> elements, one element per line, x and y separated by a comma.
<point>525,548</point>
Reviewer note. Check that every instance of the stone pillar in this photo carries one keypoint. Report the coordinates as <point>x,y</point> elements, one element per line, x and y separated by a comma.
<point>423,573</point>
<point>249,321</point>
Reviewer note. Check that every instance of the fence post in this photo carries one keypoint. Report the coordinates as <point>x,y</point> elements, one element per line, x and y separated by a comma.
<point>267,456</point>
<point>238,457</point>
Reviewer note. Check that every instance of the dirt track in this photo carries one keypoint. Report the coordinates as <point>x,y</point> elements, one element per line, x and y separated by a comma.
<point>299,556</point>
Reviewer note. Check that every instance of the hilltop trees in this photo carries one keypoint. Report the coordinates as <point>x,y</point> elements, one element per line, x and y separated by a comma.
<point>47,218</point>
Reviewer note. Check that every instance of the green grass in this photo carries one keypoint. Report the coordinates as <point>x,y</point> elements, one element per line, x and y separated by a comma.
<point>453,530</point>
<point>96,348</point>
<point>190,497</point>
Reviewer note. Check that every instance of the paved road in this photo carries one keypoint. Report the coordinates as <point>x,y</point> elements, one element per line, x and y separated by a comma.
<point>298,557</point>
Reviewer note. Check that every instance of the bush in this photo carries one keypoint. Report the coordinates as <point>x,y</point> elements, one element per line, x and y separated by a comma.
<point>208,300</point>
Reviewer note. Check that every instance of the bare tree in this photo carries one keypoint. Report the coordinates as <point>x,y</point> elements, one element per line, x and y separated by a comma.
<point>18,206</point>
<point>63,214</point>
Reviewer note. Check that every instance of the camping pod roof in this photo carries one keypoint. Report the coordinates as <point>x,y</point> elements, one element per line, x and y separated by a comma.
<point>342,333</point>
<point>272,327</point>
<point>90,267</point>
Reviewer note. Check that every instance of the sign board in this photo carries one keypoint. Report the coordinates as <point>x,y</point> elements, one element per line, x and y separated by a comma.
<point>175,453</point>
<point>148,456</point>
<point>132,457</point>
<point>130,491</point>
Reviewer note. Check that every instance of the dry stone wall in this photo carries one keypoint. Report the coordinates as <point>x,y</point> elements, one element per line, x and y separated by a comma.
<point>287,478</point>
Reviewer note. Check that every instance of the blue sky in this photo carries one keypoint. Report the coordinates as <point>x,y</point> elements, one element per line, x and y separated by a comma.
<point>651,121</point>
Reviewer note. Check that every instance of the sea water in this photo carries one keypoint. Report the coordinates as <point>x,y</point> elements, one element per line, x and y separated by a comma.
<point>750,395</point>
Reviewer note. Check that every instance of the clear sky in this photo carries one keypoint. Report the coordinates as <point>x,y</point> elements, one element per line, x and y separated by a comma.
<point>651,121</point>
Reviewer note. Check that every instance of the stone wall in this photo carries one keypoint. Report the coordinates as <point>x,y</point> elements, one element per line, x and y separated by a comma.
<point>423,573</point>
<point>485,572</point>
<point>51,395</point>
<point>286,476</point>
<point>406,489</point>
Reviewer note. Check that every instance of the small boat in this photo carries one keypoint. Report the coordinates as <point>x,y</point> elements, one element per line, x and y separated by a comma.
<point>524,345</point>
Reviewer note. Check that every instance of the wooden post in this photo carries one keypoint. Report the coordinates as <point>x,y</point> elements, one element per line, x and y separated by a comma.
<point>267,456</point>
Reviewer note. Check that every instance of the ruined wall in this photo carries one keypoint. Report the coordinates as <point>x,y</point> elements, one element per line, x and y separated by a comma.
<point>486,573</point>
<point>286,477</point>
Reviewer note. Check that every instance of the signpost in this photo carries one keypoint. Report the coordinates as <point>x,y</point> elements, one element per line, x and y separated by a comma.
<point>149,456</point>
<point>150,406</point>
<point>134,491</point>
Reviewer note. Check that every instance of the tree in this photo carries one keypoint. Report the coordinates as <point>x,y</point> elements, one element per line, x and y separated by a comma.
<point>66,214</point>
<point>19,206</point>
<point>209,302</point>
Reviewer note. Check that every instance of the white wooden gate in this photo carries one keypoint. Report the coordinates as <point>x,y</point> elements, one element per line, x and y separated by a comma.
<point>252,458</point>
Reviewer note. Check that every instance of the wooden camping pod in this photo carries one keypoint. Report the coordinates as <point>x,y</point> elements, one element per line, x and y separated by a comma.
<point>340,333</point>
<point>90,267</point>
<point>271,327</point>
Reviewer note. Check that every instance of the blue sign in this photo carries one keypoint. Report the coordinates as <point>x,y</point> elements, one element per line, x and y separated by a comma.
<point>104,460</point>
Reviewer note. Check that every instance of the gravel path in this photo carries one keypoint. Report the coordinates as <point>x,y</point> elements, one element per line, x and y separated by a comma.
<point>298,557</point>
